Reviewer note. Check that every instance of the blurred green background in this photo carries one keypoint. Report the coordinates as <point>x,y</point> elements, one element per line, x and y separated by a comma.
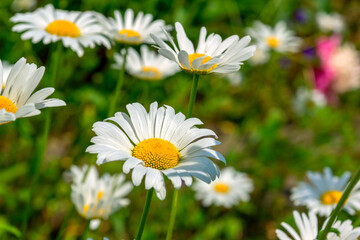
<point>260,133</point>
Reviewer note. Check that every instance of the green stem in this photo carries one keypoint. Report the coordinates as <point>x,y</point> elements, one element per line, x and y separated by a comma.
<point>172,215</point>
<point>354,180</point>
<point>41,147</point>
<point>118,85</point>
<point>144,214</point>
<point>193,95</point>
<point>176,191</point>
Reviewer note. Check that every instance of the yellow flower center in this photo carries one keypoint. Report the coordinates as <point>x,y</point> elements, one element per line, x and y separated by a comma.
<point>129,33</point>
<point>93,212</point>
<point>221,188</point>
<point>273,42</point>
<point>330,197</point>
<point>86,208</point>
<point>155,74</point>
<point>99,195</point>
<point>194,56</point>
<point>63,28</point>
<point>157,153</point>
<point>7,104</point>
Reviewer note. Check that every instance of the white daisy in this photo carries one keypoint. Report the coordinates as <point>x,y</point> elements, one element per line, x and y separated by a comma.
<point>156,143</point>
<point>130,30</point>
<point>324,191</point>
<point>308,229</point>
<point>97,197</point>
<point>148,65</point>
<point>227,190</point>
<point>211,55</point>
<point>330,22</point>
<point>16,99</point>
<point>279,39</point>
<point>305,99</point>
<point>76,29</point>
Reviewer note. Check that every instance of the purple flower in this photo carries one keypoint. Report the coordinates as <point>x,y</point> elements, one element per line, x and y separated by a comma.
<point>301,16</point>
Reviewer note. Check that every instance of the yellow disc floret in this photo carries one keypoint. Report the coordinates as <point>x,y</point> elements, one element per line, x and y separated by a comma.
<point>125,34</point>
<point>86,209</point>
<point>194,56</point>
<point>99,195</point>
<point>157,153</point>
<point>273,42</point>
<point>7,104</point>
<point>155,74</point>
<point>221,188</point>
<point>63,28</point>
<point>330,197</point>
<point>129,33</point>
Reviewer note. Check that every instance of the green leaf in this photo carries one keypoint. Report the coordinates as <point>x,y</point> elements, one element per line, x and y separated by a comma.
<point>7,228</point>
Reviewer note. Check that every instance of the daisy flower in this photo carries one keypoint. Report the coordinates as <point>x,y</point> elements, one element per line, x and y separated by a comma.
<point>97,197</point>
<point>130,30</point>
<point>324,191</point>
<point>227,190</point>
<point>306,99</point>
<point>76,30</point>
<point>308,229</point>
<point>16,99</point>
<point>330,22</point>
<point>157,143</point>
<point>279,39</point>
<point>148,65</point>
<point>211,55</point>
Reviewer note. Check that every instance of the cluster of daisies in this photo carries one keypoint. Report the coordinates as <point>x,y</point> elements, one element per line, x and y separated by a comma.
<point>161,144</point>
<point>152,144</point>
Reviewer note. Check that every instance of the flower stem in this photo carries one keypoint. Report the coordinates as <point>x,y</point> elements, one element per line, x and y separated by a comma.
<point>144,214</point>
<point>354,180</point>
<point>176,191</point>
<point>193,95</point>
<point>173,215</point>
<point>36,162</point>
<point>118,85</point>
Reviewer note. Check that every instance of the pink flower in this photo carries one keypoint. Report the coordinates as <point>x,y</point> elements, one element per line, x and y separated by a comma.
<point>339,69</point>
<point>326,46</point>
<point>324,75</point>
